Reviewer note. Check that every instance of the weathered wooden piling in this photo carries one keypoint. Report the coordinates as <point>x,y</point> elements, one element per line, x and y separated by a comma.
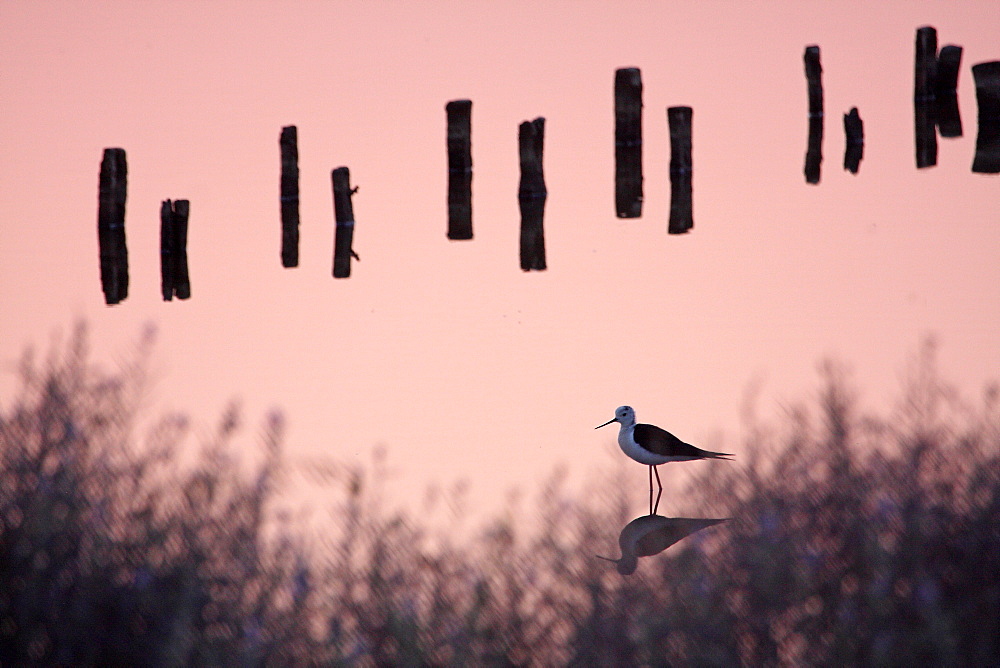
<point>814,81</point>
<point>681,215</point>
<point>531,194</point>
<point>924,79</point>
<point>289,144</point>
<point>174,280</point>
<point>112,191</point>
<point>854,145</point>
<point>343,209</point>
<point>949,62</point>
<point>987,78</point>
<point>459,113</point>
<point>628,142</point>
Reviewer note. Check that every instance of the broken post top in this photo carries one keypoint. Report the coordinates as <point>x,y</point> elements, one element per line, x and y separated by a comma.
<point>814,72</point>
<point>114,174</point>
<point>628,103</point>
<point>531,141</point>
<point>628,106</point>
<point>458,106</point>
<point>679,124</point>
<point>459,115</point>
<point>342,191</point>
<point>628,76</point>
<point>987,78</point>
<point>114,154</point>
<point>679,114</point>
<point>458,110</point>
<point>949,62</point>
<point>925,64</point>
<point>289,143</point>
<point>853,126</point>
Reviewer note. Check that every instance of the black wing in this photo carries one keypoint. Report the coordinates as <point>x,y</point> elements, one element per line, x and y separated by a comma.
<point>663,443</point>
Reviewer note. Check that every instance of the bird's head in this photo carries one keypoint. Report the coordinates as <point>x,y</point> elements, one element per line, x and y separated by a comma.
<point>623,415</point>
<point>626,565</point>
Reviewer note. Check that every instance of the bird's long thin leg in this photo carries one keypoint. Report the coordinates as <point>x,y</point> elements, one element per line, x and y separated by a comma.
<point>659,494</point>
<point>650,490</point>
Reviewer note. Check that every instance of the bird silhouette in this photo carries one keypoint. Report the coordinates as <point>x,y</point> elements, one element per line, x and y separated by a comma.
<point>650,445</point>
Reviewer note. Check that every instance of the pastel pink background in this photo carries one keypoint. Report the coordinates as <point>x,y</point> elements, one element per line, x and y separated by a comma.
<point>445,352</point>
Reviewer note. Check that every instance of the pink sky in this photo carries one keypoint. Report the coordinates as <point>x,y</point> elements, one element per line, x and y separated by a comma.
<point>445,352</point>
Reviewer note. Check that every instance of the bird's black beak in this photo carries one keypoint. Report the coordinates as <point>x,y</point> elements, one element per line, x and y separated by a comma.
<point>606,423</point>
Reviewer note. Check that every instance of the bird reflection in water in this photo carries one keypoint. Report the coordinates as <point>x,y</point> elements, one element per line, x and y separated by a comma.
<point>652,534</point>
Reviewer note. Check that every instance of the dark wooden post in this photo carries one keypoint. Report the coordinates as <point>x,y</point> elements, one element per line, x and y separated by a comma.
<point>814,81</point>
<point>167,262</point>
<point>112,191</point>
<point>459,114</point>
<point>182,282</point>
<point>681,216</point>
<point>174,279</point>
<point>925,75</point>
<point>628,142</point>
<point>949,61</point>
<point>343,209</point>
<point>987,77</point>
<point>289,143</point>
<point>531,194</point>
<point>854,147</point>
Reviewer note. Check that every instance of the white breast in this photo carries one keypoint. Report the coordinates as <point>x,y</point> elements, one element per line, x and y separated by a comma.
<point>628,445</point>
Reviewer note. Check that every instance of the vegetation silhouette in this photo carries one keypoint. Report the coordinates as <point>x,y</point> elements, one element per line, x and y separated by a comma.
<point>853,540</point>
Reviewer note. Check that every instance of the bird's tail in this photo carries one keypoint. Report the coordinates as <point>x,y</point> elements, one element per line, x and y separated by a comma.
<point>719,455</point>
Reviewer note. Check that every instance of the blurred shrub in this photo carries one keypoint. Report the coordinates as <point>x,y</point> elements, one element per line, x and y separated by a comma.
<point>110,554</point>
<point>854,540</point>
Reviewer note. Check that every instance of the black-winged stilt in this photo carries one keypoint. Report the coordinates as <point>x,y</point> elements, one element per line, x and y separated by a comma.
<point>650,445</point>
